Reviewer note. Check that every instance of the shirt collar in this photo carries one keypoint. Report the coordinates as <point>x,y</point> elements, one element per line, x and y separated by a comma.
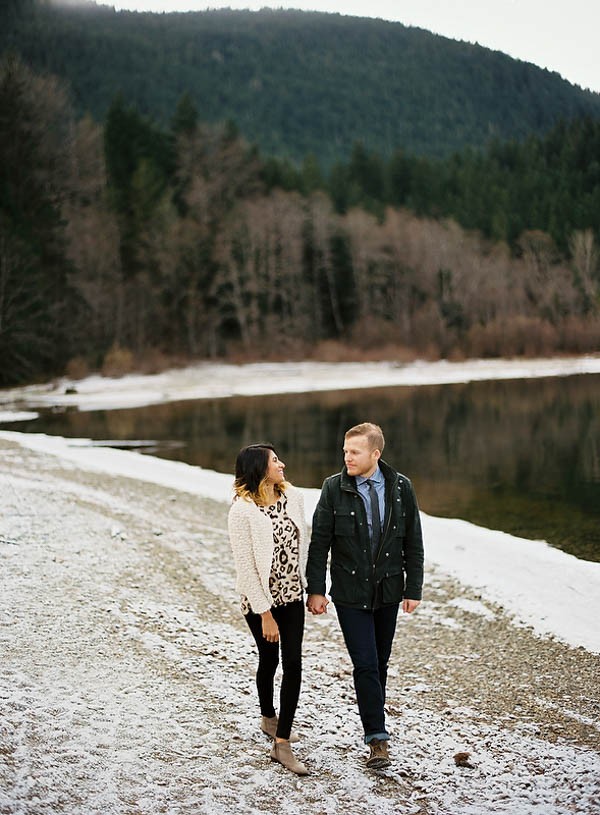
<point>376,477</point>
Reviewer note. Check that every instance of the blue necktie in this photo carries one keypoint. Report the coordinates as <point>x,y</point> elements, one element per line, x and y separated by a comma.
<point>375,517</point>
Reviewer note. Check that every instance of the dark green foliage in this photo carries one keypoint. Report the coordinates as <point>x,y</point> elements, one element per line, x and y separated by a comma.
<point>140,162</point>
<point>130,139</point>
<point>345,312</point>
<point>550,183</point>
<point>185,119</point>
<point>36,301</point>
<point>298,83</point>
<point>17,9</point>
<point>311,176</point>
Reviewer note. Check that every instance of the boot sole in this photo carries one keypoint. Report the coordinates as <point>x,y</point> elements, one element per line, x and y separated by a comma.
<point>378,763</point>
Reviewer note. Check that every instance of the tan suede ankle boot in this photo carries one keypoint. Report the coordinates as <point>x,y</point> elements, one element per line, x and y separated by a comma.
<point>282,752</point>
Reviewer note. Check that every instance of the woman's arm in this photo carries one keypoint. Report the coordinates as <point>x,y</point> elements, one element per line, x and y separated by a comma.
<point>250,537</point>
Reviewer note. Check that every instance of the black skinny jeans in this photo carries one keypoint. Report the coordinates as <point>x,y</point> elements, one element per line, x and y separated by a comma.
<point>290,621</point>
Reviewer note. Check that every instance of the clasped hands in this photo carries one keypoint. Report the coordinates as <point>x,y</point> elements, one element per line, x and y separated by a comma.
<point>317,604</point>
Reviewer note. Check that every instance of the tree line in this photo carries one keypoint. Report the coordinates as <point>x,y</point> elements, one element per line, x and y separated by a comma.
<point>550,183</point>
<point>131,243</point>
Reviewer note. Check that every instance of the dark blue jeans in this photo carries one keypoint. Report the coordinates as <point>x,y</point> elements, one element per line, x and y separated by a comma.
<point>369,636</point>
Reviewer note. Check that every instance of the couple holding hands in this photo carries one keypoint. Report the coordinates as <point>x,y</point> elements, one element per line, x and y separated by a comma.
<point>367,521</point>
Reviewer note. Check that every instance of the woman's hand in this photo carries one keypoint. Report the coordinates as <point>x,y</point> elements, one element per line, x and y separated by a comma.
<point>270,631</point>
<point>317,604</point>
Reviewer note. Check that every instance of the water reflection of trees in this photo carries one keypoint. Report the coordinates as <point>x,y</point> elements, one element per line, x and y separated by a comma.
<point>518,455</point>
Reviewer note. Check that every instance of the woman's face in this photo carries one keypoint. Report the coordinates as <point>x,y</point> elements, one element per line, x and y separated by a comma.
<point>275,469</point>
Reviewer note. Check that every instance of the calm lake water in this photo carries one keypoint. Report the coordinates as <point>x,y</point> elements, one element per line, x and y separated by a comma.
<point>522,456</point>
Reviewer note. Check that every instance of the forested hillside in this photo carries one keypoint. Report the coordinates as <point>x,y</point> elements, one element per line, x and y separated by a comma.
<point>129,243</point>
<point>294,82</point>
<point>550,183</point>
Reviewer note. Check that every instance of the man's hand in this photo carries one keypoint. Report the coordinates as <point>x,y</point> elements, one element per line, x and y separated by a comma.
<point>270,631</point>
<point>408,606</point>
<point>317,604</point>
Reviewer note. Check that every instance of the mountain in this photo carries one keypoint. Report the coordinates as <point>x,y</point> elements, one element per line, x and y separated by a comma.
<point>295,82</point>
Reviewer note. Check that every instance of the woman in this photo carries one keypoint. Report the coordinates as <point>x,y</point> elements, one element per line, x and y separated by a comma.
<point>268,536</point>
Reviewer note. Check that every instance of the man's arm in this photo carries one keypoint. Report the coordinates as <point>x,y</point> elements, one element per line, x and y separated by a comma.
<point>318,552</point>
<point>413,550</point>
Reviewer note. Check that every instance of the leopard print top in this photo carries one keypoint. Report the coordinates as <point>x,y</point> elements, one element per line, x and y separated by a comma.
<point>284,581</point>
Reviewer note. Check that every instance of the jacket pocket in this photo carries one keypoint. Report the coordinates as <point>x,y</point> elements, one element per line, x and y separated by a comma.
<point>344,524</point>
<point>399,527</point>
<point>343,583</point>
<point>392,586</point>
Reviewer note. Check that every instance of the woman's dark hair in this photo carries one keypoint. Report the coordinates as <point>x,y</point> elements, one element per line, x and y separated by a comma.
<point>251,468</point>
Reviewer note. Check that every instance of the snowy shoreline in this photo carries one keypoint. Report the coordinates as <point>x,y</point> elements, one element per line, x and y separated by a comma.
<point>127,671</point>
<point>221,380</point>
<point>553,592</point>
<point>542,587</point>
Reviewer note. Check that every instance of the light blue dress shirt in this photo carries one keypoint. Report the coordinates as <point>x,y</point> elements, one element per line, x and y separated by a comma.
<point>363,490</point>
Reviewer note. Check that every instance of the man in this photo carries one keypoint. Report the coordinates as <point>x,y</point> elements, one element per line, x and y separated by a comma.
<point>368,517</point>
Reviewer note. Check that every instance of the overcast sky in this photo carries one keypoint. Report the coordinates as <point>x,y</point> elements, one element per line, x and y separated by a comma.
<point>561,35</point>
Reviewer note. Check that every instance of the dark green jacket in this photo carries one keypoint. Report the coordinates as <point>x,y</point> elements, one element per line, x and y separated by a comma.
<point>359,579</point>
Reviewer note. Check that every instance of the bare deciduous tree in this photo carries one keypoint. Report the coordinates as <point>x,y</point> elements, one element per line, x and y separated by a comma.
<point>584,254</point>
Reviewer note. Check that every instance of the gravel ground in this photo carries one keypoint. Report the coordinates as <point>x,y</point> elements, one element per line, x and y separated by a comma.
<point>127,677</point>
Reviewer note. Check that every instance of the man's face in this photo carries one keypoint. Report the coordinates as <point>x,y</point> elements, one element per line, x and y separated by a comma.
<point>358,457</point>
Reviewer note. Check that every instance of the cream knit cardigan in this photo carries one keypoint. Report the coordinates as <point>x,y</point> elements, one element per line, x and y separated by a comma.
<point>251,538</point>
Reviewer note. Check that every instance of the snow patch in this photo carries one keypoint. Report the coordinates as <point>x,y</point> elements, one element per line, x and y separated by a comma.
<point>17,416</point>
<point>220,380</point>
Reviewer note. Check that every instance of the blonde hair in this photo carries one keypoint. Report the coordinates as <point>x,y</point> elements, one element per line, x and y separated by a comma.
<point>373,433</point>
<point>261,496</point>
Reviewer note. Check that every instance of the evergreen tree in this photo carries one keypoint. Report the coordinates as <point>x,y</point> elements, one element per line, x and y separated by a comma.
<point>139,160</point>
<point>311,177</point>
<point>185,118</point>
<point>35,297</point>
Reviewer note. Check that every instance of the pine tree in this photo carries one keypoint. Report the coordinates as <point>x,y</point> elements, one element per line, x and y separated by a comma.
<point>35,297</point>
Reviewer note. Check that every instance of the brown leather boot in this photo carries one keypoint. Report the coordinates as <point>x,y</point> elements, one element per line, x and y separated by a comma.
<point>282,752</point>
<point>268,725</point>
<point>379,756</point>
